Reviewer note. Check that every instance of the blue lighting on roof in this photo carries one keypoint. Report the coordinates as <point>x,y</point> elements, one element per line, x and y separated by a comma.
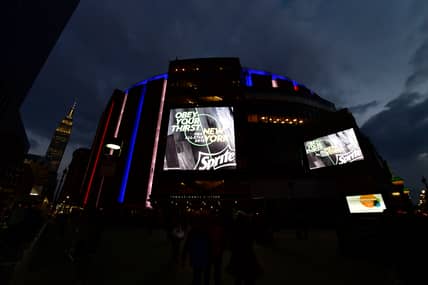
<point>156,77</point>
<point>248,80</point>
<point>249,72</point>
<point>259,72</point>
<point>160,76</point>
<point>276,76</point>
<point>128,162</point>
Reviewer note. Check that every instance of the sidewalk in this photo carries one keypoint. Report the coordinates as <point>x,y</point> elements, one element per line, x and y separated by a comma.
<point>129,255</point>
<point>14,257</point>
<point>44,262</point>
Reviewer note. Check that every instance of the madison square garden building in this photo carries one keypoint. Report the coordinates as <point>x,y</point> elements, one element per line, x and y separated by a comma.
<point>211,134</point>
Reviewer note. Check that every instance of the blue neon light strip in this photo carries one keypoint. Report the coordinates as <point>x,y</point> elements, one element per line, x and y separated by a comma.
<point>276,76</point>
<point>259,72</point>
<point>248,80</point>
<point>248,72</point>
<point>121,197</point>
<point>156,77</point>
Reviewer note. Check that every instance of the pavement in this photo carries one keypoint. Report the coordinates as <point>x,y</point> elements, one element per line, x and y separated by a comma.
<point>133,255</point>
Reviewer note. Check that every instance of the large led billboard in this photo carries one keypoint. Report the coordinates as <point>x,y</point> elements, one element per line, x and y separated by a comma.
<point>369,203</point>
<point>334,149</point>
<point>201,138</point>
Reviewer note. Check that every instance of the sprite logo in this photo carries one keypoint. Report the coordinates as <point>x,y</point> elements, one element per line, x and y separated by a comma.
<point>214,161</point>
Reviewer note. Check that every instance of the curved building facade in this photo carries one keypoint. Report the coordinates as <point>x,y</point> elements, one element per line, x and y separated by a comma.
<point>211,132</point>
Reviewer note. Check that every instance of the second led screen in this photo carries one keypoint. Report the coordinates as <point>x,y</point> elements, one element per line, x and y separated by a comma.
<point>334,149</point>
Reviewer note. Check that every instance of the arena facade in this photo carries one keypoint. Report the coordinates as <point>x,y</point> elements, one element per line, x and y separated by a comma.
<point>211,134</point>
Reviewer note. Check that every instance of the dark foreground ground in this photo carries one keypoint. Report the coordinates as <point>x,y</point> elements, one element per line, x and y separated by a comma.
<point>133,255</point>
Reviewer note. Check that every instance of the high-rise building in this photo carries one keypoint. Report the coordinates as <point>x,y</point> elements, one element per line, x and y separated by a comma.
<point>30,29</point>
<point>70,191</point>
<point>59,140</point>
<point>40,169</point>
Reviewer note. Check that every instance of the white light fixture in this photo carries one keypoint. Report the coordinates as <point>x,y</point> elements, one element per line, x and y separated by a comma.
<point>113,146</point>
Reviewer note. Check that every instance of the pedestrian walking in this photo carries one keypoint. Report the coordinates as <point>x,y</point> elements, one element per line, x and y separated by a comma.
<point>177,236</point>
<point>243,264</point>
<point>197,247</point>
<point>216,233</point>
<point>87,236</point>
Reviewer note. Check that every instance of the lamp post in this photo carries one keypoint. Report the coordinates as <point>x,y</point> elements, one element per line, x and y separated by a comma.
<point>108,167</point>
<point>114,145</point>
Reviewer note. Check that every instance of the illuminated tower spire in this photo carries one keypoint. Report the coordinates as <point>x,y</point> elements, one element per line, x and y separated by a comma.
<point>71,112</point>
<point>60,140</point>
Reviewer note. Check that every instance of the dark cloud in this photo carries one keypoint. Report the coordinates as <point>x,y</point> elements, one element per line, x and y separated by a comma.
<point>363,107</point>
<point>400,132</point>
<point>400,135</point>
<point>107,46</point>
<point>34,143</point>
<point>420,64</point>
<point>38,144</point>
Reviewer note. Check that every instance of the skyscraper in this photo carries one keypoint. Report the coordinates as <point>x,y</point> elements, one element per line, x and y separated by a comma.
<point>59,140</point>
<point>75,174</point>
<point>41,24</point>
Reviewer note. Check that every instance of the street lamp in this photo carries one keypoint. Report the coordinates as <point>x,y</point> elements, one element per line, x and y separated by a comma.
<point>112,152</point>
<point>113,145</point>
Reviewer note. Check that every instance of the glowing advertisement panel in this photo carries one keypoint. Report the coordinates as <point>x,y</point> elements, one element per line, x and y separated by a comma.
<point>334,149</point>
<point>370,203</point>
<point>200,139</point>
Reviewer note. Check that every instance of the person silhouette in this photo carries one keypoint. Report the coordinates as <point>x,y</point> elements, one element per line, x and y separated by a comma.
<point>243,264</point>
<point>197,246</point>
<point>216,235</point>
<point>177,235</point>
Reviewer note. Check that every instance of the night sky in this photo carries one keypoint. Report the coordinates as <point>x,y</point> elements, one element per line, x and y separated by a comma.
<point>368,56</point>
